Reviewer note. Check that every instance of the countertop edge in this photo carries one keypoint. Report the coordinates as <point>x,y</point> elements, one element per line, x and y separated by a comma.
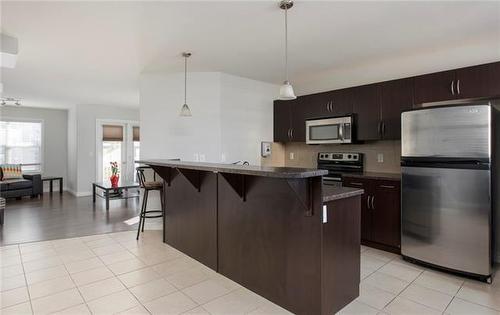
<point>264,171</point>
<point>344,192</point>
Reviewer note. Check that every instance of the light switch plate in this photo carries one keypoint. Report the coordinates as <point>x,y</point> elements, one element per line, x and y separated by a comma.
<point>292,155</point>
<point>265,149</point>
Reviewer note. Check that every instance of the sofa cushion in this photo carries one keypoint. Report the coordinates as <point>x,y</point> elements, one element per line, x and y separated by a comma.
<point>13,184</point>
<point>11,171</point>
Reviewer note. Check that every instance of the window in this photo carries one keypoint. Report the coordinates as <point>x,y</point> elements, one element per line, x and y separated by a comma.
<point>21,143</point>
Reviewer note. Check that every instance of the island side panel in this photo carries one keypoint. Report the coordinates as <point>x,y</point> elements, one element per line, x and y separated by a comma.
<point>190,221</point>
<point>268,244</point>
<point>341,255</point>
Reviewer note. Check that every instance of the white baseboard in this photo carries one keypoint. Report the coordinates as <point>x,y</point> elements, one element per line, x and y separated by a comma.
<point>79,193</point>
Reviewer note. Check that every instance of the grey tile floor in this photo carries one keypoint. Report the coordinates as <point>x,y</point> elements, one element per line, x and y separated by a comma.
<point>114,274</point>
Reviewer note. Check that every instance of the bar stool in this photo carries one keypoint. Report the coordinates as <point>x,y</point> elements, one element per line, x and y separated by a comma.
<point>148,186</point>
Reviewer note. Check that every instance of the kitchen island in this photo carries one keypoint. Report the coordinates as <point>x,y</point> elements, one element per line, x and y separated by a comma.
<point>271,229</point>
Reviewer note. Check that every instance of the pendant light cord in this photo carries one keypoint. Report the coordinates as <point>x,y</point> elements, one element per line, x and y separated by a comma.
<point>286,43</point>
<point>185,79</point>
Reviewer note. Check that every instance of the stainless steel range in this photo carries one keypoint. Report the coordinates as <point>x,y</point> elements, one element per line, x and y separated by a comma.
<point>339,163</point>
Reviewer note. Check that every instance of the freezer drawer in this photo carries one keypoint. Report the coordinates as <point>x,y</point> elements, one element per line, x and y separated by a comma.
<point>446,216</point>
<point>454,131</point>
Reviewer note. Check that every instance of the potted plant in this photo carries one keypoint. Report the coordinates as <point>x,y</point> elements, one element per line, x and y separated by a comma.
<point>115,177</point>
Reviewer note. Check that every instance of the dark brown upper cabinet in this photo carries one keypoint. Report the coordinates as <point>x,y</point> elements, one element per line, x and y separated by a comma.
<point>289,121</point>
<point>377,107</point>
<point>366,106</point>
<point>395,97</point>
<point>282,121</point>
<point>464,83</point>
<point>473,82</point>
<point>340,102</point>
<point>494,86</point>
<point>316,105</point>
<point>299,115</point>
<point>435,87</point>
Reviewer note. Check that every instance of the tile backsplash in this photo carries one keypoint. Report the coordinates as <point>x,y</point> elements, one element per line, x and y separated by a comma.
<point>388,152</point>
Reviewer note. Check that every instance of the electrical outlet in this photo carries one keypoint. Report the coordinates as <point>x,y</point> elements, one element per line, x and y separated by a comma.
<point>202,157</point>
<point>380,157</point>
<point>292,155</point>
<point>223,157</point>
<point>196,157</point>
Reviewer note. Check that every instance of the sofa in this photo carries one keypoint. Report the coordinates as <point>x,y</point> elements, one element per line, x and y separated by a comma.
<point>28,185</point>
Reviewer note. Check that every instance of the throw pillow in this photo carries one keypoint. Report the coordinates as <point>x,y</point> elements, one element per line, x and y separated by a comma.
<point>12,171</point>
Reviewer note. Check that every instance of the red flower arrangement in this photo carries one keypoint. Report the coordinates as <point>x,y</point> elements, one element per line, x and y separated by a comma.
<point>115,177</point>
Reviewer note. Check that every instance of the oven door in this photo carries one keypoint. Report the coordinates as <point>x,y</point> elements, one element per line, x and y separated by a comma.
<point>331,130</point>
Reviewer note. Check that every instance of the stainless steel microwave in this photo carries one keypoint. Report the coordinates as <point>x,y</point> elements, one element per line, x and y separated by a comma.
<point>329,130</point>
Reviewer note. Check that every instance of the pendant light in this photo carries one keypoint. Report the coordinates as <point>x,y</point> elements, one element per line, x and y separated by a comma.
<point>185,111</point>
<point>286,90</point>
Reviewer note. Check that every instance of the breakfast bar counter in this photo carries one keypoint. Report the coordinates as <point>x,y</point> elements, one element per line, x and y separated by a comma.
<point>268,229</point>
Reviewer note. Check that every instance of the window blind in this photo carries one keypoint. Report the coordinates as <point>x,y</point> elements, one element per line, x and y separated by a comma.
<point>136,133</point>
<point>112,133</point>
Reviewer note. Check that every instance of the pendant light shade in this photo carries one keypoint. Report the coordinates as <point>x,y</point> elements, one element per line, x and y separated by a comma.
<point>185,111</point>
<point>286,90</point>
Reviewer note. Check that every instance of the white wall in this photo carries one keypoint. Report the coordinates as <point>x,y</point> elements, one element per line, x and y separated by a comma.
<point>85,149</point>
<point>231,115</point>
<point>72,151</point>
<point>166,135</point>
<point>55,141</point>
<point>246,117</point>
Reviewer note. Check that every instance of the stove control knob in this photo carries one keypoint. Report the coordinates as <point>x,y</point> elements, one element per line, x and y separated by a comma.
<point>349,156</point>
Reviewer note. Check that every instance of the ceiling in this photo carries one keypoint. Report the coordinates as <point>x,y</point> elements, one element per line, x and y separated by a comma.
<point>93,52</point>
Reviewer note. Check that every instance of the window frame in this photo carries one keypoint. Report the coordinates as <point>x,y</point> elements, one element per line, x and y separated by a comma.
<point>42,140</point>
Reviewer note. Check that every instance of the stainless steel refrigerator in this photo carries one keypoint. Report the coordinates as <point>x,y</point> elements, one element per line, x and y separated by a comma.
<point>447,165</point>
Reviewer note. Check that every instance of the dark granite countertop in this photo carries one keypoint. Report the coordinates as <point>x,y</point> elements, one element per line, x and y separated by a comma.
<point>375,175</point>
<point>331,193</point>
<point>265,171</point>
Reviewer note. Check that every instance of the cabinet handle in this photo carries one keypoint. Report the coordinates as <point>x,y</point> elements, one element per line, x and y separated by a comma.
<point>379,128</point>
<point>373,202</point>
<point>458,86</point>
<point>383,129</point>
<point>331,106</point>
<point>388,186</point>
<point>291,133</point>
<point>452,88</point>
<point>368,202</point>
<point>327,106</point>
<point>356,184</point>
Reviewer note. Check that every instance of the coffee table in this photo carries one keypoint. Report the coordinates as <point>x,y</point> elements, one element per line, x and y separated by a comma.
<point>112,193</point>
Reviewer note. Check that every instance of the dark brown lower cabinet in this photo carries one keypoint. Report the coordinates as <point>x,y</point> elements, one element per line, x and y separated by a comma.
<point>380,212</point>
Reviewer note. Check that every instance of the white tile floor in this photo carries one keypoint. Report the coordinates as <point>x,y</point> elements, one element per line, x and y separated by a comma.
<point>114,274</point>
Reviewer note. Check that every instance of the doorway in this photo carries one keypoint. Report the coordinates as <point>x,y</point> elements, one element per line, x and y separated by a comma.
<point>117,141</point>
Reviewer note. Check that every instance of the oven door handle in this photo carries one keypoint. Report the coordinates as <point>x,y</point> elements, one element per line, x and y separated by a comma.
<point>337,179</point>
